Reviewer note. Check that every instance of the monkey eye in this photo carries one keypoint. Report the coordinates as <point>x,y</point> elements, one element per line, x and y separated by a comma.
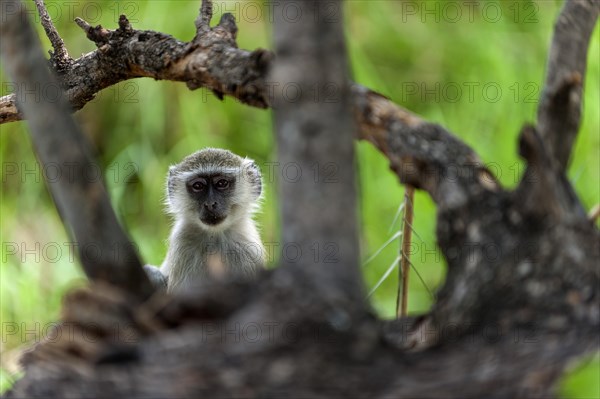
<point>222,184</point>
<point>197,185</point>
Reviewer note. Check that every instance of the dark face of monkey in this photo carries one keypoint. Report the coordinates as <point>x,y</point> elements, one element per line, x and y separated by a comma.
<point>212,194</point>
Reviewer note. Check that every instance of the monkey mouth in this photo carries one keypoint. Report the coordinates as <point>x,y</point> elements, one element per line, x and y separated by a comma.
<point>211,219</point>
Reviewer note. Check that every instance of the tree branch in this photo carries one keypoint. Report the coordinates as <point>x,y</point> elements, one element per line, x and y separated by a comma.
<point>97,34</point>
<point>212,61</point>
<point>544,189</point>
<point>422,154</point>
<point>83,204</point>
<point>559,112</point>
<point>203,20</point>
<point>318,132</point>
<point>60,57</point>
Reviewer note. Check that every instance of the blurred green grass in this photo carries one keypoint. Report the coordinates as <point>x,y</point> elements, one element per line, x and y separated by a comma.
<point>479,74</point>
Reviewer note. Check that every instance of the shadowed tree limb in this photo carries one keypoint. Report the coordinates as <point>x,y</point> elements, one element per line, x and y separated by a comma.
<point>104,249</point>
<point>319,208</point>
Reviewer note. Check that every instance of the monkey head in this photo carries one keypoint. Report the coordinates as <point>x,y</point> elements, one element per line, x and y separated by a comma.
<point>214,188</point>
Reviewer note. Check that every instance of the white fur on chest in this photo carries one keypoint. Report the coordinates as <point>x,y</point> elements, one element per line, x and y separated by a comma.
<point>199,254</point>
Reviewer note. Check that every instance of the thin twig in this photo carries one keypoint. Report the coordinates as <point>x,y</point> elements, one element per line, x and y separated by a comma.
<point>61,55</point>
<point>83,24</point>
<point>396,216</point>
<point>402,298</point>
<point>385,244</point>
<point>412,265</point>
<point>385,275</point>
<point>415,232</point>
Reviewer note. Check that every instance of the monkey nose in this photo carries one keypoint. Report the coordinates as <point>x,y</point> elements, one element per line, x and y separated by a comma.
<point>210,206</point>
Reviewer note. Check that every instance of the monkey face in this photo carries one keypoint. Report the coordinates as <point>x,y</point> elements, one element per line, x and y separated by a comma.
<point>212,196</point>
<point>213,189</point>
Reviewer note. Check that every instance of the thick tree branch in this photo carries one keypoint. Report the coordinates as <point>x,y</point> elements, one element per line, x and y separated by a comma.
<point>422,154</point>
<point>559,112</point>
<point>318,209</point>
<point>104,249</point>
<point>212,61</point>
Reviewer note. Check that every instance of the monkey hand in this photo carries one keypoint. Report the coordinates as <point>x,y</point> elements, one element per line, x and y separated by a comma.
<point>158,280</point>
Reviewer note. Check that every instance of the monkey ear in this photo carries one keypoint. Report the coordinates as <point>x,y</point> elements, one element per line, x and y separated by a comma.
<point>253,177</point>
<point>170,183</point>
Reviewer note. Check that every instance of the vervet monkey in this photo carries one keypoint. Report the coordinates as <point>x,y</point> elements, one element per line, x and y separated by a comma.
<point>212,196</point>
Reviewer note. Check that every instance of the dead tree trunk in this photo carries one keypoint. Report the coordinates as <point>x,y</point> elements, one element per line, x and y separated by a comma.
<point>502,326</point>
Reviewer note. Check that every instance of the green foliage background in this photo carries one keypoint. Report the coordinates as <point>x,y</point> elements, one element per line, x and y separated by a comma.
<point>476,68</point>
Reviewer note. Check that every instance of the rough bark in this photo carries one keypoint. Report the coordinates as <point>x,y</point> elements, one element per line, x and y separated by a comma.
<point>211,60</point>
<point>60,57</point>
<point>520,301</point>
